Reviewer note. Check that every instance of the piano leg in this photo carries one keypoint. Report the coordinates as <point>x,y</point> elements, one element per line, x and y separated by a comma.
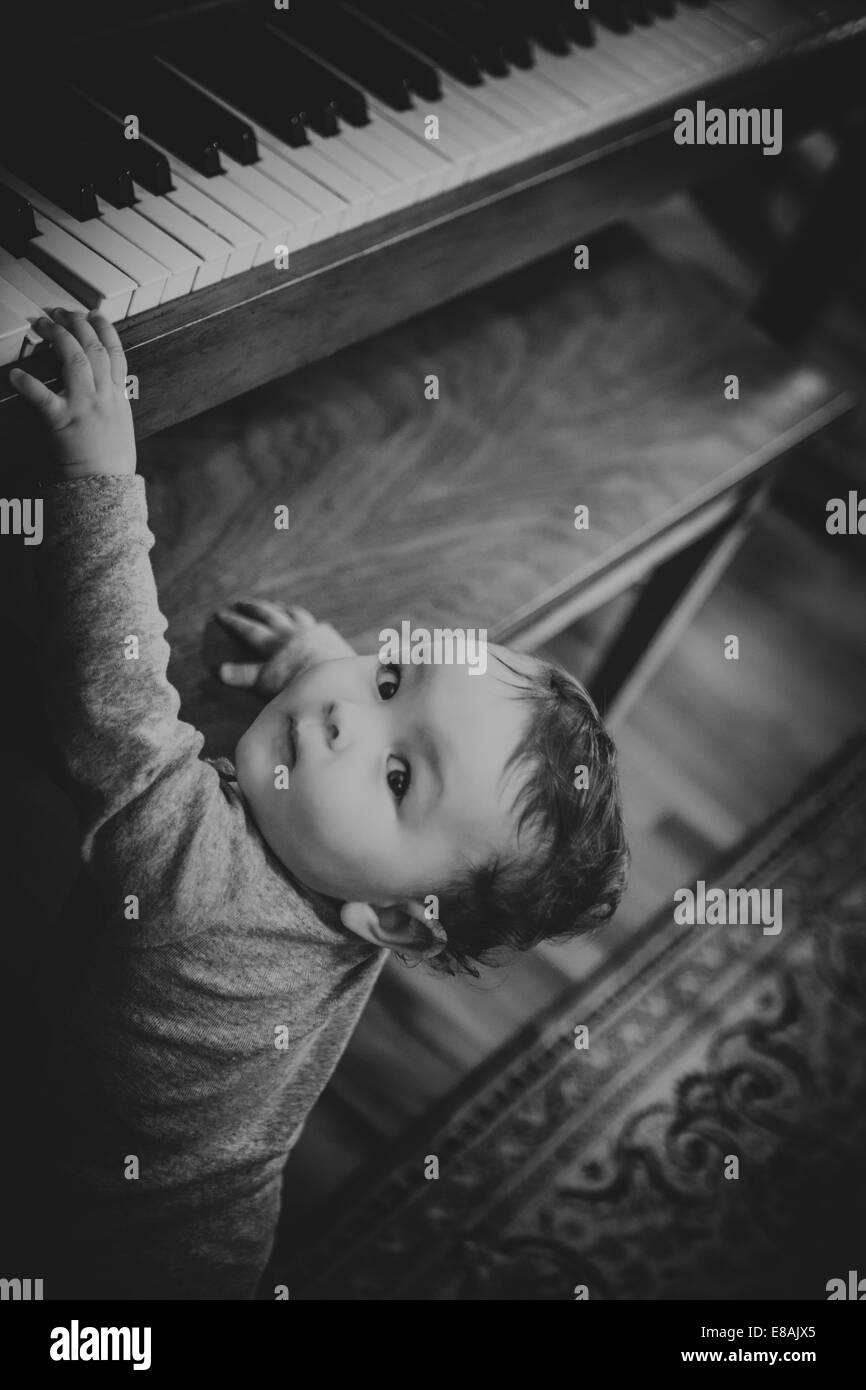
<point>670,598</point>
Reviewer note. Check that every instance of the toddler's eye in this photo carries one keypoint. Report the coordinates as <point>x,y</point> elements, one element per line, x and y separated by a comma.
<point>398,778</point>
<point>391,684</point>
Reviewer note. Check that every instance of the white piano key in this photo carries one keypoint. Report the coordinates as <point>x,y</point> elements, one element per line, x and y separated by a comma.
<point>14,333</point>
<point>496,138</point>
<point>26,308</point>
<point>147,274</point>
<point>465,128</point>
<point>180,262</point>
<point>637,51</point>
<point>590,81</point>
<point>777,24</point>
<point>747,33</point>
<point>461,155</point>
<point>714,42</point>
<point>564,103</point>
<point>551,117</point>
<point>690,57</point>
<point>309,164</point>
<point>210,251</point>
<point>690,61</point>
<point>384,186</point>
<point>375,161</point>
<point>388,190</point>
<point>326,207</point>
<point>506,114</point>
<point>270,227</point>
<point>379,138</point>
<point>471,126</point>
<point>274,166</point>
<point>357,200</point>
<point>316,181</point>
<point>507,102</point>
<point>378,183</point>
<point>623,76</point>
<point>673,62</point>
<point>242,239</point>
<point>36,285</point>
<point>16,299</point>
<point>382,151</point>
<point>300,218</point>
<point>573,116</point>
<point>341,201</point>
<point>93,280</point>
<point>425,158</point>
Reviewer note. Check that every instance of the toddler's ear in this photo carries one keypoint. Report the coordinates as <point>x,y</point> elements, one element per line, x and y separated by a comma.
<point>400,927</point>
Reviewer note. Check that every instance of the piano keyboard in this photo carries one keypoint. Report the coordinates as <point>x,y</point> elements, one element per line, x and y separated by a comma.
<point>284,128</point>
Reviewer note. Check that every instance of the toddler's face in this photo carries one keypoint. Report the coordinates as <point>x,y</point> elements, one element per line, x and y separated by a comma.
<point>396,774</point>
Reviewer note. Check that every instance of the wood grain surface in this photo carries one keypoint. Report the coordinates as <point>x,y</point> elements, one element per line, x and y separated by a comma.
<point>558,388</point>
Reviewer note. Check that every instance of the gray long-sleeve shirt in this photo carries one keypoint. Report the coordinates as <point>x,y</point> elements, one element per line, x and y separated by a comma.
<point>206,1027</point>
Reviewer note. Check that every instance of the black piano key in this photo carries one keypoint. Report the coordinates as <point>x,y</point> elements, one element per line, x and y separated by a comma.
<point>170,111</point>
<point>276,74</point>
<point>235,71</point>
<point>232,134</point>
<point>105,160</point>
<point>355,48</point>
<point>74,151</point>
<point>578,25</point>
<point>102,159</point>
<point>483,39</point>
<point>429,37</point>
<point>111,181</point>
<point>613,15</point>
<point>150,168</point>
<point>17,223</point>
<point>139,92</point>
<point>546,24</point>
<point>58,175</point>
<point>639,11</point>
<point>665,9</point>
<point>145,164</point>
<point>352,41</point>
<point>541,23</point>
<point>80,148</point>
<point>327,97</point>
<point>512,35</point>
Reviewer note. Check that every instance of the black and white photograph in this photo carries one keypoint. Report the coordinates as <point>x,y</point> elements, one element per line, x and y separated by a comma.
<point>433,562</point>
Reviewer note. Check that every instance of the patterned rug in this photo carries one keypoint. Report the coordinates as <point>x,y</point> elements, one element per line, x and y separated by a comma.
<point>606,1171</point>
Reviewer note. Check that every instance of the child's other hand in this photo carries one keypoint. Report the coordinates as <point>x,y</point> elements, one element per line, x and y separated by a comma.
<point>285,641</point>
<point>90,421</point>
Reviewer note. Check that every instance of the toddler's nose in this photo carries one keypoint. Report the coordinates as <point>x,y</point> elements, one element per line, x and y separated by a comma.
<point>344,721</point>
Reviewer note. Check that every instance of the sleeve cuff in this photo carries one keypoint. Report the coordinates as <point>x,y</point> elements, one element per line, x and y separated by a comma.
<point>66,498</point>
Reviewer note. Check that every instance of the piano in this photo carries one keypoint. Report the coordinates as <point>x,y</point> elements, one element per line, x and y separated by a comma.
<point>245,188</point>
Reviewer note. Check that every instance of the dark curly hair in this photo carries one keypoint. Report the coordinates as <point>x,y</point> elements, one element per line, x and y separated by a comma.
<point>575,875</point>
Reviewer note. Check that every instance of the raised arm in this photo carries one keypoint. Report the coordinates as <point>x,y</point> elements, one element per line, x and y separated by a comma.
<point>136,772</point>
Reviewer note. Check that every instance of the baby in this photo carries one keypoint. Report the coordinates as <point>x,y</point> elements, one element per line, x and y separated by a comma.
<point>246,909</point>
